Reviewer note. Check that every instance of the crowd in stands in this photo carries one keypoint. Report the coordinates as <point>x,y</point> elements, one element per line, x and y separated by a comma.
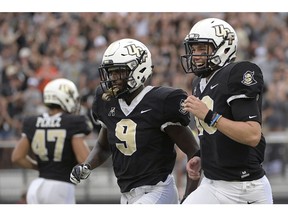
<point>38,47</point>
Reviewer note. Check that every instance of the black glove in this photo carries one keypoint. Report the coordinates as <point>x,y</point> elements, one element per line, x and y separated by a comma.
<point>80,171</point>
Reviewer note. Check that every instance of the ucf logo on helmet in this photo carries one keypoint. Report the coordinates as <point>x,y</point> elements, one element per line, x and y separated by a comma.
<point>225,33</point>
<point>137,51</point>
<point>65,88</point>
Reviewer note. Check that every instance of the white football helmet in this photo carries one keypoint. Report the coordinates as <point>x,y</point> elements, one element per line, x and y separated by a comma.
<point>126,55</point>
<point>64,93</point>
<point>220,35</point>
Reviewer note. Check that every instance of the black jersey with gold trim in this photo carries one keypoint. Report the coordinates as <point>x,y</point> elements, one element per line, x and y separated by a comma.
<point>50,139</point>
<point>142,153</point>
<point>222,157</point>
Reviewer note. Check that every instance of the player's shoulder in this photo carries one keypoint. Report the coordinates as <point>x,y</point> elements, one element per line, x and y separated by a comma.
<point>242,68</point>
<point>30,120</point>
<point>98,90</point>
<point>244,64</point>
<point>171,99</point>
<point>166,91</point>
<point>74,118</point>
<point>245,78</point>
<point>246,72</point>
<point>72,121</point>
<point>97,95</point>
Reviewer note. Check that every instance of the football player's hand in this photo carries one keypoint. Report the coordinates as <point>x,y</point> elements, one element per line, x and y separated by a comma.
<point>80,171</point>
<point>193,168</point>
<point>195,106</point>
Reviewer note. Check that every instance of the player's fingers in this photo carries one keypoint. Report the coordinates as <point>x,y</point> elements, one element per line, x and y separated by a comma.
<point>194,176</point>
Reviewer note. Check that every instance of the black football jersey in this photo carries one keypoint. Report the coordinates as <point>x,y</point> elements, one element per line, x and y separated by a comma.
<point>223,158</point>
<point>50,139</point>
<point>142,153</point>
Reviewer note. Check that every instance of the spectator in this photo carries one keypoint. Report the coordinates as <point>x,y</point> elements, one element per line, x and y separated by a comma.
<point>46,72</point>
<point>32,98</point>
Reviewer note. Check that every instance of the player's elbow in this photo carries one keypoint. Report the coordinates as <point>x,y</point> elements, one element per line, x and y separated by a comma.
<point>254,134</point>
<point>15,159</point>
<point>254,139</point>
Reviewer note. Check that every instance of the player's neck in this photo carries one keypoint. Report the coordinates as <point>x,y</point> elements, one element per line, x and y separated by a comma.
<point>52,112</point>
<point>210,76</point>
<point>131,96</point>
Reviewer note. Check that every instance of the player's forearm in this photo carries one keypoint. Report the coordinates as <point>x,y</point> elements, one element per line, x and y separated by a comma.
<point>97,156</point>
<point>248,133</point>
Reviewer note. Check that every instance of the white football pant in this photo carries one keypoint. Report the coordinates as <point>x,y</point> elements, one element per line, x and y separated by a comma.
<point>47,191</point>
<point>231,192</point>
<point>161,193</point>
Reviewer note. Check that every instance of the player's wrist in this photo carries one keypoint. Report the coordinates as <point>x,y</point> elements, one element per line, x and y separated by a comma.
<point>208,117</point>
<point>212,118</point>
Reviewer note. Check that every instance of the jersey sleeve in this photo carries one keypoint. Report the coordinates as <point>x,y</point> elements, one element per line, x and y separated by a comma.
<point>83,125</point>
<point>27,127</point>
<point>245,81</point>
<point>173,108</point>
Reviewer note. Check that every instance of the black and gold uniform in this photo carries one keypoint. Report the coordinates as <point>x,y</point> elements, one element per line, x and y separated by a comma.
<point>143,154</point>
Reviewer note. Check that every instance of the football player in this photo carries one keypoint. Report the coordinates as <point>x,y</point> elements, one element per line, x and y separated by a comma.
<point>226,102</point>
<point>57,141</point>
<point>140,125</point>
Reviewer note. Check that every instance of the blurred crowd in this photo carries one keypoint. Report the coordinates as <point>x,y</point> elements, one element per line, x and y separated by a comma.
<point>38,47</point>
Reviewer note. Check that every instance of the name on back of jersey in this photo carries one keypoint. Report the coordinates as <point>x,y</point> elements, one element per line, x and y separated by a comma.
<point>48,122</point>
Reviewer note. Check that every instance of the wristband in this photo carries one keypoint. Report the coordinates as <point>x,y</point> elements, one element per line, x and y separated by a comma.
<point>208,118</point>
<point>215,120</point>
<point>212,118</point>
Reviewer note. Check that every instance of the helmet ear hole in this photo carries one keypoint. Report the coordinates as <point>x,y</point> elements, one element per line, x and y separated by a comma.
<point>142,70</point>
<point>226,50</point>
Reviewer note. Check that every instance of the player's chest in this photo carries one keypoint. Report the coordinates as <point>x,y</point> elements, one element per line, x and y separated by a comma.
<point>143,116</point>
<point>214,93</point>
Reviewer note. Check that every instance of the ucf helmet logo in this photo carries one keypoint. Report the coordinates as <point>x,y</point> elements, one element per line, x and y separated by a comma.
<point>134,50</point>
<point>66,89</point>
<point>225,33</point>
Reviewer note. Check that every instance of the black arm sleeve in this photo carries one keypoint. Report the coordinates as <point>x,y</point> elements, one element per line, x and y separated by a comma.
<point>245,109</point>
